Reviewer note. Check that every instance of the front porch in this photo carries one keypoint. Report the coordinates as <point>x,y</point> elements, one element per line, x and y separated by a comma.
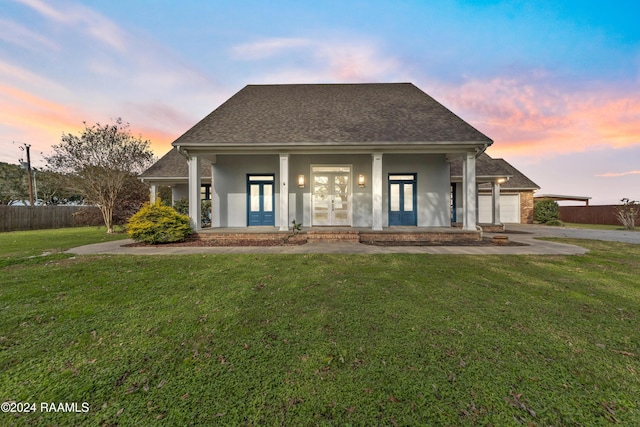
<point>272,236</point>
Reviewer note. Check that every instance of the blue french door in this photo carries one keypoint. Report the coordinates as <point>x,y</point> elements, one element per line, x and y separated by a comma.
<point>402,199</point>
<point>260,200</point>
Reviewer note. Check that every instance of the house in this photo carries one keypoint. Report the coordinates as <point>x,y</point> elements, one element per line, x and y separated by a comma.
<point>347,155</point>
<point>516,197</point>
<point>516,191</point>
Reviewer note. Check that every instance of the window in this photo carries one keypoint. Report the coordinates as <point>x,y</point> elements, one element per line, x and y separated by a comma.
<point>205,192</point>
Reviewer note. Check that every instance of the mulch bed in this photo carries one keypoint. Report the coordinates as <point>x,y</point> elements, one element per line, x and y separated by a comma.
<point>222,243</point>
<point>477,243</point>
<point>278,242</point>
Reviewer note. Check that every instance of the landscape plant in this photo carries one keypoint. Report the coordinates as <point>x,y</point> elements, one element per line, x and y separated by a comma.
<point>13,184</point>
<point>101,163</point>
<point>545,210</point>
<point>182,206</point>
<point>158,223</point>
<point>627,213</point>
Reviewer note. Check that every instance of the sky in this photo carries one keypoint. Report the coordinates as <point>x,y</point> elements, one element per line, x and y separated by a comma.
<point>555,84</point>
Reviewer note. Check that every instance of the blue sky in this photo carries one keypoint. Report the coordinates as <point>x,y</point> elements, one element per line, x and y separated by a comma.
<point>556,84</point>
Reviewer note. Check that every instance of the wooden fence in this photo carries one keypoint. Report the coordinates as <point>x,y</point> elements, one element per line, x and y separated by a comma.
<point>602,214</point>
<point>14,218</point>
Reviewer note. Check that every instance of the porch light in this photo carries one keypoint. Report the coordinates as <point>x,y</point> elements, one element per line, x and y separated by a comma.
<point>501,180</point>
<point>361,180</point>
<point>301,181</point>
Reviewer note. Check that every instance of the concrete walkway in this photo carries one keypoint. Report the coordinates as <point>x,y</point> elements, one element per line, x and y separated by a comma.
<point>526,234</point>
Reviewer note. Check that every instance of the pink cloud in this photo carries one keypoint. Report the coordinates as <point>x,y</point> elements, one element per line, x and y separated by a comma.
<point>20,36</point>
<point>27,118</point>
<point>82,18</point>
<point>616,174</point>
<point>537,118</point>
<point>356,62</point>
<point>21,107</point>
<point>268,47</point>
<point>327,60</point>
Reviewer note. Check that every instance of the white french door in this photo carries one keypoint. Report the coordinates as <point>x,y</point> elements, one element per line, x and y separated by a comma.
<point>331,195</point>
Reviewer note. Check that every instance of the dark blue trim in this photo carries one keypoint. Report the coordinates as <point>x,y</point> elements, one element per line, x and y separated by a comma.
<point>401,217</point>
<point>261,217</point>
<point>454,188</point>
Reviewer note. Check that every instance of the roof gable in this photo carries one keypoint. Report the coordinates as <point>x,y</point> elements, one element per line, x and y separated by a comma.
<point>488,168</point>
<point>330,113</point>
<point>518,180</point>
<point>174,165</point>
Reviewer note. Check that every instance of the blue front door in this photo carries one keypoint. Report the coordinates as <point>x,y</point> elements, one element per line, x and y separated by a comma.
<point>402,199</point>
<point>260,200</point>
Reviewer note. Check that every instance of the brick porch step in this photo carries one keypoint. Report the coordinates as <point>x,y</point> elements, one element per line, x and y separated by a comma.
<point>451,236</point>
<point>333,236</point>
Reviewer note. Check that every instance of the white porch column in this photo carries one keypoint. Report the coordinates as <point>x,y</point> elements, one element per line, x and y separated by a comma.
<point>376,191</point>
<point>469,192</point>
<point>284,192</point>
<point>153,193</point>
<point>215,198</point>
<point>495,206</point>
<point>194,192</point>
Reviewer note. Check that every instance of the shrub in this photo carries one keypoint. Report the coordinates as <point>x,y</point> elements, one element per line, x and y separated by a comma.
<point>627,213</point>
<point>127,204</point>
<point>91,216</point>
<point>157,223</point>
<point>545,210</point>
<point>182,206</point>
<point>555,223</point>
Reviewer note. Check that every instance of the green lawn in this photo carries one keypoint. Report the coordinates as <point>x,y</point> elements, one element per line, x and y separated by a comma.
<point>322,339</point>
<point>596,226</point>
<point>19,244</point>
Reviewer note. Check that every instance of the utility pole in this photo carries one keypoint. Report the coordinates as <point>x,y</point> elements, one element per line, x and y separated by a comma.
<point>27,147</point>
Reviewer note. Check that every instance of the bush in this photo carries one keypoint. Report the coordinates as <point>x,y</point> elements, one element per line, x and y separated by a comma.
<point>182,206</point>
<point>555,223</point>
<point>628,213</point>
<point>91,216</point>
<point>545,210</point>
<point>128,203</point>
<point>157,223</point>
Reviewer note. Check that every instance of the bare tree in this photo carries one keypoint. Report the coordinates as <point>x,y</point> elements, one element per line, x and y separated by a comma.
<point>99,163</point>
<point>627,213</point>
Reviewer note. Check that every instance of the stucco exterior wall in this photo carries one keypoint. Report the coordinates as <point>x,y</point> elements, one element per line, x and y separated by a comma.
<point>229,192</point>
<point>230,183</point>
<point>180,191</point>
<point>432,186</point>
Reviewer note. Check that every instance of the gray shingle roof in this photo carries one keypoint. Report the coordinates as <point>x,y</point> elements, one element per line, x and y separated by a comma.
<point>518,180</point>
<point>485,166</point>
<point>174,165</point>
<point>331,113</point>
<point>490,167</point>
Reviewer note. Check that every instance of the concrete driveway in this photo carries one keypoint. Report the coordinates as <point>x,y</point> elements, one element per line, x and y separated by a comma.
<point>575,233</point>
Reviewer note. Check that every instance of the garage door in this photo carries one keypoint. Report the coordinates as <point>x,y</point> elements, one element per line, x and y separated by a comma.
<point>509,208</point>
